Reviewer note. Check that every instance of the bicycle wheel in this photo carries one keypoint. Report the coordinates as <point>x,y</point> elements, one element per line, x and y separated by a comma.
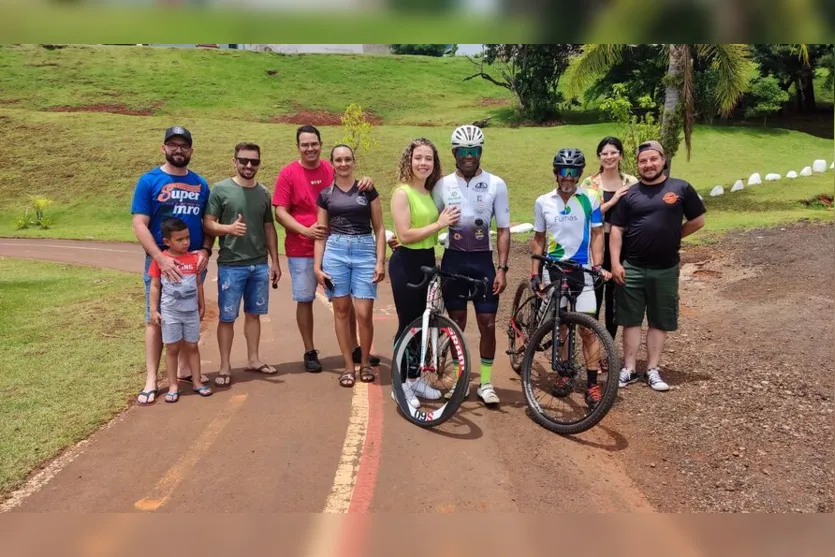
<point>448,374</point>
<point>565,410</point>
<point>519,328</point>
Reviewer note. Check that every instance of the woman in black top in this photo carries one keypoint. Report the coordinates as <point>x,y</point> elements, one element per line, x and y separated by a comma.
<point>351,262</point>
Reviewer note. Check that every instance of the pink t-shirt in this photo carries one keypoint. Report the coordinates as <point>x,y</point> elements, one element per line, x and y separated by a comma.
<point>297,189</point>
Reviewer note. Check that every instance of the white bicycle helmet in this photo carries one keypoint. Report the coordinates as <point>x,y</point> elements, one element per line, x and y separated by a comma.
<point>467,136</point>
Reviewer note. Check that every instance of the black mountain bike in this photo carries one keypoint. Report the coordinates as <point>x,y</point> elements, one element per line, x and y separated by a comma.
<point>433,347</point>
<point>561,348</point>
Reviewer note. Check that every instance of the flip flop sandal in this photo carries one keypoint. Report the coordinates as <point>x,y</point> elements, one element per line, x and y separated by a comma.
<point>223,380</point>
<point>203,378</point>
<point>367,374</point>
<point>147,396</point>
<point>263,368</point>
<point>205,390</point>
<point>172,397</point>
<point>348,379</point>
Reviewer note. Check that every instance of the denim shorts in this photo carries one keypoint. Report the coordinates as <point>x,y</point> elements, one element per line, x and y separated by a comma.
<point>302,278</point>
<point>250,282</point>
<point>180,325</point>
<point>147,280</point>
<point>349,261</point>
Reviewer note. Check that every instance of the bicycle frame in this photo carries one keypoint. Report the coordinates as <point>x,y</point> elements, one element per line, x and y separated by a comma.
<point>434,305</point>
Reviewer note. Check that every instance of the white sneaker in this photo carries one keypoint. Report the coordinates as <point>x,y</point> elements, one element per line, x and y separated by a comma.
<point>422,389</point>
<point>410,395</point>
<point>487,394</point>
<point>627,377</point>
<point>655,382</point>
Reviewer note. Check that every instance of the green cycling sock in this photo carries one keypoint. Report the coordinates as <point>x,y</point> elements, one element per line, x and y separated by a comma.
<point>486,370</point>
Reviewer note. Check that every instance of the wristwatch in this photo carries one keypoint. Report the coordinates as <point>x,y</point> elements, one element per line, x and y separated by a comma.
<point>502,268</point>
<point>207,250</point>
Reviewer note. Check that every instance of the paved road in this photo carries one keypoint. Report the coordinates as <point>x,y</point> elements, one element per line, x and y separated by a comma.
<point>298,442</point>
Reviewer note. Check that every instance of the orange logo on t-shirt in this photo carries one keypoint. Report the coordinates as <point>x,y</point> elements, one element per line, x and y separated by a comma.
<point>670,197</point>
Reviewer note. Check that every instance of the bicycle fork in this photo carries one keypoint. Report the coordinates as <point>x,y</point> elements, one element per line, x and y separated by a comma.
<point>557,343</point>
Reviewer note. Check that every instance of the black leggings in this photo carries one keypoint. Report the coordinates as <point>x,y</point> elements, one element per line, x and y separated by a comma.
<point>607,290</point>
<point>404,267</point>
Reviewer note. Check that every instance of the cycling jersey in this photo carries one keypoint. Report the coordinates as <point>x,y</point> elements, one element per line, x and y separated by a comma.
<point>481,198</point>
<point>568,225</point>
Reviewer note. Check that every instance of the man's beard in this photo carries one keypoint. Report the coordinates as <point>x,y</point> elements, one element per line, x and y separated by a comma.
<point>472,173</point>
<point>653,177</point>
<point>247,174</point>
<point>179,164</point>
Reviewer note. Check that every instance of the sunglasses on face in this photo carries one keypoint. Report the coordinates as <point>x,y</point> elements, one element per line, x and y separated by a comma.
<point>465,152</point>
<point>177,147</point>
<point>567,172</point>
<point>243,161</point>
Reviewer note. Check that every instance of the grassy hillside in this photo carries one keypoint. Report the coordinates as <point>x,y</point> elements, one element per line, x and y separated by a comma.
<point>242,85</point>
<point>88,163</point>
<point>63,137</point>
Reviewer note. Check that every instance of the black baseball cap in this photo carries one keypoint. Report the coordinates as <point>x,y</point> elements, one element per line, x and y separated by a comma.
<point>177,131</point>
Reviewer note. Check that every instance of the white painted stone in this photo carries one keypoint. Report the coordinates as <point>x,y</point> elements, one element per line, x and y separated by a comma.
<point>389,235</point>
<point>772,177</point>
<point>717,191</point>
<point>755,179</point>
<point>520,228</point>
<point>807,171</point>
<point>700,196</point>
<point>738,186</point>
<point>831,166</point>
<point>791,174</point>
<point>819,165</point>
<point>442,239</point>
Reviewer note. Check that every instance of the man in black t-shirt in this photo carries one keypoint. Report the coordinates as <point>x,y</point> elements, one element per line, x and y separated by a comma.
<point>647,224</point>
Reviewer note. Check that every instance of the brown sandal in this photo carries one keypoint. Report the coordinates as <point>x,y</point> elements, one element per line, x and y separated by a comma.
<point>348,379</point>
<point>367,374</point>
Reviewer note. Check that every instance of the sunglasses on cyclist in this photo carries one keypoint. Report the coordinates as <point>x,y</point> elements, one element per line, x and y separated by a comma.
<point>567,172</point>
<point>465,152</point>
<point>243,161</point>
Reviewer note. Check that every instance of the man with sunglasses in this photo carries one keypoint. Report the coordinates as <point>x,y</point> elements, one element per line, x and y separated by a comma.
<point>240,214</point>
<point>570,216</point>
<point>170,190</point>
<point>481,196</point>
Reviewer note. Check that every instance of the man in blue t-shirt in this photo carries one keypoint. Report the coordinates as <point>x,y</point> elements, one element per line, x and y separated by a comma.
<point>170,190</point>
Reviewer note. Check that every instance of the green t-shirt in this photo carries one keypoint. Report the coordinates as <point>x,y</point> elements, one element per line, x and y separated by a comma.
<point>226,200</point>
<point>423,213</point>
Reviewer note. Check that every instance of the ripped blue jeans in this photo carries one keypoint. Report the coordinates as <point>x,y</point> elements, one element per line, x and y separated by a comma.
<point>250,282</point>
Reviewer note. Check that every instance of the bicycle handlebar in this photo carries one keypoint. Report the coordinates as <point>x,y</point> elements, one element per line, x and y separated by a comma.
<point>549,262</point>
<point>429,272</point>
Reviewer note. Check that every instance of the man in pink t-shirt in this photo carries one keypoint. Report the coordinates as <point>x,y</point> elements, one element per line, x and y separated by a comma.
<point>296,189</point>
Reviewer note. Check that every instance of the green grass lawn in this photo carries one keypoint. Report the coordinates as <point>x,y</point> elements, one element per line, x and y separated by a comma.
<point>93,160</point>
<point>196,83</point>
<point>71,354</point>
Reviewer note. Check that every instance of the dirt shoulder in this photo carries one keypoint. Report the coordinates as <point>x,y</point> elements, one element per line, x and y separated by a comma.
<point>748,422</point>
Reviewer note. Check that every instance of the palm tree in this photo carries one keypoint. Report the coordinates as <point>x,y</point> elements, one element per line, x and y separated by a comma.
<point>730,60</point>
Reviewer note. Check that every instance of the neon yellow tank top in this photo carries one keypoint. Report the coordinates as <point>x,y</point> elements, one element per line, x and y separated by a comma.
<point>423,213</point>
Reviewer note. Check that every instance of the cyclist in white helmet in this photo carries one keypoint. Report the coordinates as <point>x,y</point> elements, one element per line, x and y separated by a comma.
<point>481,196</point>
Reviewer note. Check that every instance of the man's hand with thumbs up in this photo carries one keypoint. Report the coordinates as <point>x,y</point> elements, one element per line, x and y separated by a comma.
<point>237,228</point>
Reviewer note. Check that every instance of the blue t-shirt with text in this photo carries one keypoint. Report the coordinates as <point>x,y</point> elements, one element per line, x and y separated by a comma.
<point>160,196</point>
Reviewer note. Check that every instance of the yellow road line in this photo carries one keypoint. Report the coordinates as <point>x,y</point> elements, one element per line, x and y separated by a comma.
<point>169,482</point>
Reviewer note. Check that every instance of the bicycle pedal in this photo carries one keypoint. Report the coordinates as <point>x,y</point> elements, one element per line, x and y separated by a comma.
<point>512,352</point>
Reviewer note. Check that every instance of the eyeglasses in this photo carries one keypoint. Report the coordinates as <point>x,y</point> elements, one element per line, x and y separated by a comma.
<point>243,161</point>
<point>465,152</point>
<point>177,147</point>
<point>567,172</point>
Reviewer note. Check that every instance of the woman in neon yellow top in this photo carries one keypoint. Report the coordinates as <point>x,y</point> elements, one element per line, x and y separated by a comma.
<point>416,224</point>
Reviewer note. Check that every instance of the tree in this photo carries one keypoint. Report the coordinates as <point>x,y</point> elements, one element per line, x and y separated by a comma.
<point>634,129</point>
<point>768,97</point>
<point>358,130</point>
<point>530,71</point>
<point>794,65</point>
<point>422,49</point>
<point>678,113</point>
